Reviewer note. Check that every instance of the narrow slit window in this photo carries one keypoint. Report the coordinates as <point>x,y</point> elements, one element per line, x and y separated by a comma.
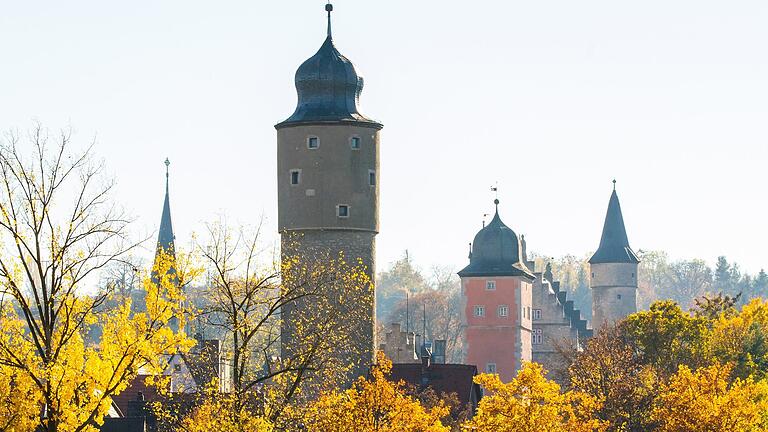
<point>295,177</point>
<point>371,177</point>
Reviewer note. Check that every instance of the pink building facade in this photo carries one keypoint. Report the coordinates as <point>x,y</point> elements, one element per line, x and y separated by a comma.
<point>497,295</point>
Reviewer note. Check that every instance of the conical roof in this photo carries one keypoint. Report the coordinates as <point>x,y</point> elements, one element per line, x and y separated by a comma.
<point>496,251</point>
<point>614,245</point>
<point>165,237</point>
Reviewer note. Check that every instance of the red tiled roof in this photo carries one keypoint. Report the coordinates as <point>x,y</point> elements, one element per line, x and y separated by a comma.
<point>131,392</point>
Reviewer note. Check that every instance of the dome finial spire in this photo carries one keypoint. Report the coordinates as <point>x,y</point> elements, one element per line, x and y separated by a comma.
<point>495,190</point>
<point>329,9</point>
<point>614,185</point>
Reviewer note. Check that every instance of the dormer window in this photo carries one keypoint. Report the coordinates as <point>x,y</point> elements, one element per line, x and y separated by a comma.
<point>354,142</point>
<point>313,143</point>
<point>342,211</point>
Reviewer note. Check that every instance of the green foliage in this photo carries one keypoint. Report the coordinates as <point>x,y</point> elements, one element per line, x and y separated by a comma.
<point>667,337</point>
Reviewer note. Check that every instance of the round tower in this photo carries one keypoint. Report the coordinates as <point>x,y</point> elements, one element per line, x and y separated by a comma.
<point>328,177</point>
<point>613,270</point>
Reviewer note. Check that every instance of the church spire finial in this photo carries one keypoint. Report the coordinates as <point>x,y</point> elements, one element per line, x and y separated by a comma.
<point>614,185</point>
<point>329,9</point>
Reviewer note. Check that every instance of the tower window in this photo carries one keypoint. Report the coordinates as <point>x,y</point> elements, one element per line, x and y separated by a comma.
<point>537,338</point>
<point>372,177</point>
<point>313,142</point>
<point>593,275</point>
<point>295,177</point>
<point>536,314</point>
<point>342,211</point>
<point>479,311</point>
<point>490,368</point>
<point>503,311</point>
<point>354,142</point>
<point>490,285</point>
<point>618,296</point>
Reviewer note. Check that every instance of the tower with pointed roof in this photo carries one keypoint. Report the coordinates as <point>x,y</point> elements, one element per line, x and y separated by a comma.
<point>496,295</point>
<point>165,237</point>
<point>613,270</point>
<point>327,177</point>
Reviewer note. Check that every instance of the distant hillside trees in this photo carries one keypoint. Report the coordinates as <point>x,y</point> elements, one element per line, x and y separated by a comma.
<point>659,279</point>
<point>403,289</point>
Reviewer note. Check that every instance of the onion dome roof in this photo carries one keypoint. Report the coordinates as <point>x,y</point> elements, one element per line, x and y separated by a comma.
<point>328,88</point>
<point>496,251</point>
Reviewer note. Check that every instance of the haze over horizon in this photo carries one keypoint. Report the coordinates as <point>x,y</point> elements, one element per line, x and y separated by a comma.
<point>550,100</point>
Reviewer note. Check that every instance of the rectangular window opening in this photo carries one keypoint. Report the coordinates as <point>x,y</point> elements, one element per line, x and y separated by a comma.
<point>342,210</point>
<point>490,285</point>
<point>479,311</point>
<point>295,177</point>
<point>313,143</point>
<point>372,178</point>
<point>537,337</point>
<point>355,143</point>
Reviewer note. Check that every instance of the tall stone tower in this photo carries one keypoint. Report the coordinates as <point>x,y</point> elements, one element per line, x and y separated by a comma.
<point>613,270</point>
<point>496,295</point>
<point>328,178</point>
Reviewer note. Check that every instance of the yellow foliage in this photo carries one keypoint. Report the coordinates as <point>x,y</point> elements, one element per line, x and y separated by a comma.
<point>740,339</point>
<point>703,401</point>
<point>374,404</point>
<point>220,413</point>
<point>531,403</point>
<point>75,380</point>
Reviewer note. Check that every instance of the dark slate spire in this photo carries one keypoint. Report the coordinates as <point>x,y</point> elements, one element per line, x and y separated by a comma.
<point>496,251</point>
<point>165,237</point>
<point>328,88</point>
<point>614,245</point>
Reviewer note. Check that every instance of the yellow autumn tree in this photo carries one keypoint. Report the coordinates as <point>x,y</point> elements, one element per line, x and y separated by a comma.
<point>373,404</point>
<point>740,339</point>
<point>222,412</point>
<point>58,228</point>
<point>531,403</point>
<point>704,401</point>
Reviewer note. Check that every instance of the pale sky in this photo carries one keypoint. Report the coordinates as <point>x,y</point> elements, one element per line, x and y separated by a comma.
<point>551,99</point>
